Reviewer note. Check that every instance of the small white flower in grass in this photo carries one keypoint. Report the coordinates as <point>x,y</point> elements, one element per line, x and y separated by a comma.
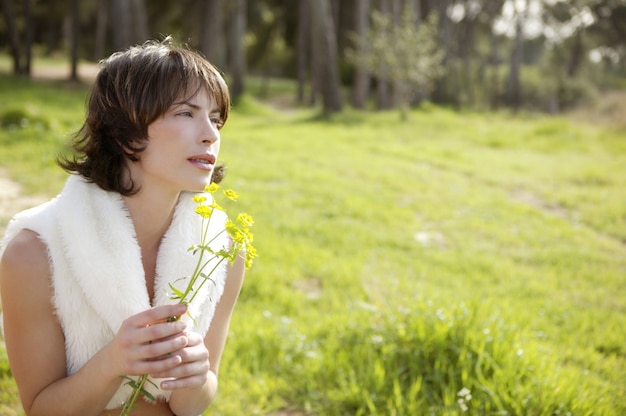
<point>465,395</point>
<point>439,313</point>
<point>377,339</point>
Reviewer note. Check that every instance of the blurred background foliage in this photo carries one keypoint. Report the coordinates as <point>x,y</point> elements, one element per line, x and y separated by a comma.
<point>546,55</point>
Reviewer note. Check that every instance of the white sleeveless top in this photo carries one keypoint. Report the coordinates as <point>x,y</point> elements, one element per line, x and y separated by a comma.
<point>97,273</point>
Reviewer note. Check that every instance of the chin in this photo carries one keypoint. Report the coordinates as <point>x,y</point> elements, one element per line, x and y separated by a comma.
<point>199,186</point>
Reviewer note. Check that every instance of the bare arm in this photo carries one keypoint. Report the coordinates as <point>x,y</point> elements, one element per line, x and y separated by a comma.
<point>194,400</point>
<point>36,345</point>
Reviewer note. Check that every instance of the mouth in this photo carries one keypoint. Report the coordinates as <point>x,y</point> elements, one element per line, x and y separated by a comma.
<point>206,161</point>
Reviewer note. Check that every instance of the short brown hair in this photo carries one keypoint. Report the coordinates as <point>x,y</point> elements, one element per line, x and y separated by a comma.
<point>132,89</point>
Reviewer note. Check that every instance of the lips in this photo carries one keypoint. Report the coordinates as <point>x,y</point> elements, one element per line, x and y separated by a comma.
<point>203,161</point>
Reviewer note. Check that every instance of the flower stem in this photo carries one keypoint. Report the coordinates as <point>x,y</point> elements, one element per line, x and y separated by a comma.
<point>138,388</point>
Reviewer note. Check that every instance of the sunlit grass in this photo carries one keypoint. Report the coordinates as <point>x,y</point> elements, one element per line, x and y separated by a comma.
<point>401,263</point>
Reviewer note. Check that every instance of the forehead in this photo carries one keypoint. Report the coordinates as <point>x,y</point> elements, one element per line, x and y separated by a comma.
<point>199,98</point>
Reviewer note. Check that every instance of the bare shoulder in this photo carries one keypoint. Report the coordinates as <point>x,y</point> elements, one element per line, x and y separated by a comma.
<point>34,339</point>
<point>24,261</point>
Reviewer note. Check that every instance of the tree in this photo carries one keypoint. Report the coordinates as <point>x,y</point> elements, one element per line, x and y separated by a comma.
<point>237,47</point>
<point>490,11</point>
<point>102,15</point>
<point>211,32</point>
<point>402,54</point>
<point>74,40</point>
<point>140,21</point>
<point>445,30</point>
<point>513,85</point>
<point>325,47</point>
<point>121,15</point>
<point>29,37</point>
<point>383,99</point>
<point>12,34</point>
<point>361,81</point>
<point>21,53</point>
<point>303,46</point>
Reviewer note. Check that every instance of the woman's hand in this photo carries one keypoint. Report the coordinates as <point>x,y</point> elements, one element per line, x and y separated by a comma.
<point>192,371</point>
<point>148,343</point>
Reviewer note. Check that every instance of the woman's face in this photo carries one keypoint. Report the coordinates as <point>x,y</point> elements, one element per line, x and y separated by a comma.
<point>182,147</point>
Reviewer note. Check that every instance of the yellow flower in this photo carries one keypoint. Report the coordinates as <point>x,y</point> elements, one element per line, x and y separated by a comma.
<point>251,254</point>
<point>245,219</point>
<point>241,237</point>
<point>230,194</point>
<point>235,232</point>
<point>217,206</point>
<point>211,188</point>
<point>204,211</point>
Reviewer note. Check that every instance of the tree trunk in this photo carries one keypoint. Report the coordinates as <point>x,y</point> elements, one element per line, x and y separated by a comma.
<point>315,52</point>
<point>382,85</point>
<point>576,55</point>
<point>417,11</point>
<point>303,47</point>
<point>212,35</point>
<point>361,82</point>
<point>74,15</point>
<point>121,15</point>
<point>325,38</point>
<point>140,21</point>
<point>493,9</point>
<point>445,37</point>
<point>494,63</point>
<point>237,49</point>
<point>467,51</point>
<point>396,87</point>
<point>513,88</point>
<point>28,37</point>
<point>12,33</point>
<point>102,14</point>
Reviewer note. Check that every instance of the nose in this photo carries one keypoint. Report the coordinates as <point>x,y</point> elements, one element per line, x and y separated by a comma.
<point>210,133</point>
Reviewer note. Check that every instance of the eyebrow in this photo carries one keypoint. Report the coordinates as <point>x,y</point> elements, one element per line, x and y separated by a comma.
<point>195,106</point>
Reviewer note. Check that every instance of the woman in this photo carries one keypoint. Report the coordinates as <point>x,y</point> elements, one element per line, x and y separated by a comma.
<point>85,277</point>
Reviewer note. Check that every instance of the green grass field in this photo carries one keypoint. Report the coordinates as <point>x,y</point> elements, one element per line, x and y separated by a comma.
<point>457,263</point>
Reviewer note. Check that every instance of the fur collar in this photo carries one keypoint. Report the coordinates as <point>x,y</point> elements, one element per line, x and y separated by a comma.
<point>95,225</point>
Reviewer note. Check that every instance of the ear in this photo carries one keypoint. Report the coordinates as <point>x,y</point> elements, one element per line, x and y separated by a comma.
<point>218,173</point>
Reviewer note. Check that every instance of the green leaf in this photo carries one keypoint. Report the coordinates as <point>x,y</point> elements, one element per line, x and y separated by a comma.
<point>177,293</point>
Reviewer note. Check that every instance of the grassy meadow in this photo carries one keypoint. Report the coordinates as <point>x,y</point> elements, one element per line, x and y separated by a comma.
<point>455,263</point>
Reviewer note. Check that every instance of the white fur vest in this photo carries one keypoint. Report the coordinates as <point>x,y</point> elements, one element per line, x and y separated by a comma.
<point>97,273</point>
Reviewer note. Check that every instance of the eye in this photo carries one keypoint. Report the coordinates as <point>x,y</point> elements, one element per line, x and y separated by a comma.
<point>216,120</point>
<point>185,113</point>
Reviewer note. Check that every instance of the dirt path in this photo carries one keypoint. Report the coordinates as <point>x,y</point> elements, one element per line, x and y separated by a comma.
<point>12,200</point>
<point>86,71</point>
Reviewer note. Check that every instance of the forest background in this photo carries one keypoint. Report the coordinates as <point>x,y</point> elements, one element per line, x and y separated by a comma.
<point>438,188</point>
<point>545,55</point>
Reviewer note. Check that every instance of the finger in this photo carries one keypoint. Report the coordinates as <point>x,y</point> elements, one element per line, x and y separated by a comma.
<point>164,348</point>
<point>186,375</point>
<point>155,366</point>
<point>155,315</point>
<point>194,338</point>
<point>184,383</point>
<point>160,332</point>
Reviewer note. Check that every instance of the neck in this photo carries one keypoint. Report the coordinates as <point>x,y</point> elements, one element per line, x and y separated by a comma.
<point>151,213</point>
